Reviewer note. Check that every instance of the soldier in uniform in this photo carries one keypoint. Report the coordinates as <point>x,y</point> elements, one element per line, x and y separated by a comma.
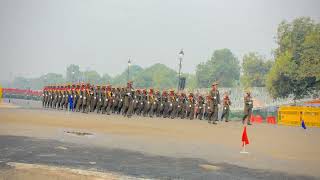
<point>158,103</point>
<point>109,96</point>
<point>50,97</point>
<point>153,103</point>
<point>226,107</point>
<point>127,98</point>
<point>201,107</point>
<point>162,101</point>
<point>174,105</point>
<point>66,101</point>
<point>215,101</point>
<point>248,106</point>
<point>121,98</point>
<point>180,105</point>
<point>136,101</point>
<point>89,97</point>
<point>85,95</point>
<point>59,97</point>
<point>63,94</point>
<point>131,100</point>
<point>80,101</point>
<point>44,93</point>
<point>55,98</point>
<point>115,100</point>
<point>93,102</point>
<point>190,111</point>
<point>105,100</point>
<point>169,104</point>
<point>100,96</point>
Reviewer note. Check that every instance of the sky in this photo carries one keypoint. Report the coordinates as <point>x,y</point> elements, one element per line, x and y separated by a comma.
<point>41,36</point>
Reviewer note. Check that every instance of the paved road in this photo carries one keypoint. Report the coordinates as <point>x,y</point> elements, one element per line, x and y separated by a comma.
<point>53,152</point>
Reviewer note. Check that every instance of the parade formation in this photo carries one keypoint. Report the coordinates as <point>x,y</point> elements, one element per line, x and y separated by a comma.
<point>128,101</point>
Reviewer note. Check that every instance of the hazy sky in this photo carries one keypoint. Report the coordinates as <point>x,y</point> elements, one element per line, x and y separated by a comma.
<point>40,36</point>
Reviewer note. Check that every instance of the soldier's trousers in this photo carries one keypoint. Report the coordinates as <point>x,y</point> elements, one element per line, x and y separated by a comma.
<point>66,105</point>
<point>84,107</point>
<point>70,105</point>
<point>173,112</point>
<point>108,108</point>
<point>214,116</point>
<point>130,110</point>
<point>79,104</point>
<point>99,106</point>
<point>225,114</point>
<point>200,113</point>
<point>140,108</point>
<point>104,107</point>
<point>114,106</point>
<point>191,113</point>
<point>159,110</point>
<point>247,116</point>
<point>125,110</point>
<point>119,108</point>
<point>146,109</point>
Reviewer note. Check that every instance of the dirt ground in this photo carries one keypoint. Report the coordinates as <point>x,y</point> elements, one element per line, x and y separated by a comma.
<point>287,149</point>
<point>23,171</point>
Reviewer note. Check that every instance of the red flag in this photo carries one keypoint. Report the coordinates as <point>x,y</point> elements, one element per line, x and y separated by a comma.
<point>245,139</point>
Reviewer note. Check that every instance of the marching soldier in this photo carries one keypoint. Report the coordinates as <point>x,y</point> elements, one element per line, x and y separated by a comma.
<point>153,103</point>
<point>55,98</point>
<point>63,92</point>
<point>157,99</point>
<point>121,98</point>
<point>215,101</point>
<point>80,96</point>
<point>162,101</point>
<point>190,112</point>
<point>100,96</point>
<point>226,107</point>
<point>174,105</point>
<point>136,101</point>
<point>105,99</point>
<point>84,99</point>
<point>66,100</point>
<point>89,97</point>
<point>201,107</point>
<point>93,102</point>
<point>109,97</point>
<point>248,106</point>
<point>115,100</point>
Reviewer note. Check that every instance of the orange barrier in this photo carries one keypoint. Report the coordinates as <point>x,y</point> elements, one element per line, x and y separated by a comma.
<point>271,120</point>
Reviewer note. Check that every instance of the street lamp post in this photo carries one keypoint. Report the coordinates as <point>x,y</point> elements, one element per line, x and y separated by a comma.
<point>181,54</point>
<point>129,64</point>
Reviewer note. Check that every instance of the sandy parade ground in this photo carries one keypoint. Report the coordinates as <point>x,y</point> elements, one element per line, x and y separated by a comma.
<point>151,145</point>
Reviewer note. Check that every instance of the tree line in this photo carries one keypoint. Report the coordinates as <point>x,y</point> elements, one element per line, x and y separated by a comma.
<point>294,69</point>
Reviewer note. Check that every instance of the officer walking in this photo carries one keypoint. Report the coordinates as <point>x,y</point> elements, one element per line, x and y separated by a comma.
<point>248,106</point>
<point>226,107</point>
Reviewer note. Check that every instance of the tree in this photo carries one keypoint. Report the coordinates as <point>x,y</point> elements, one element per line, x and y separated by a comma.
<point>223,67</point>
<point>121,79</point>
<point>157,76</point>
<point>92,77</point>
<point>255,68</point>
<point>296,69</point>
<point>106,79</point>
<point>73,74</point>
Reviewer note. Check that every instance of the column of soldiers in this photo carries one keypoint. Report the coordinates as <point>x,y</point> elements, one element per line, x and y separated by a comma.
<point>141,102</point>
